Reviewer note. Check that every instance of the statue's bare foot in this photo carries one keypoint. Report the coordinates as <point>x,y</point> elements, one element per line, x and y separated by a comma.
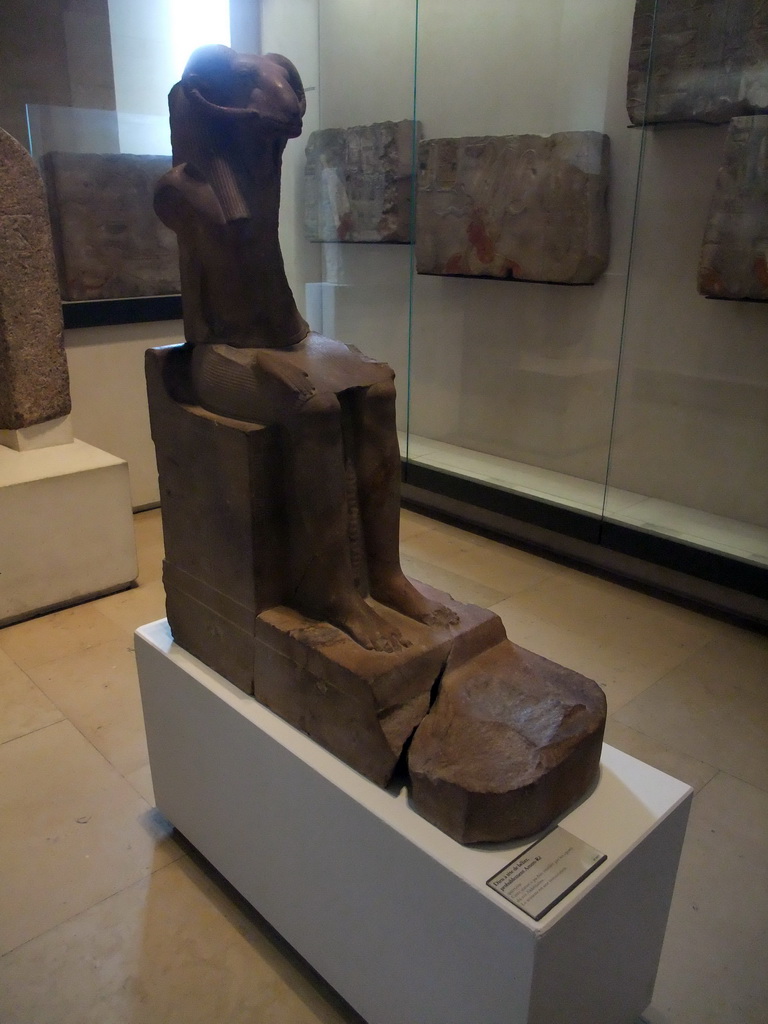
<point>396,591</point>
<point>368,628</point>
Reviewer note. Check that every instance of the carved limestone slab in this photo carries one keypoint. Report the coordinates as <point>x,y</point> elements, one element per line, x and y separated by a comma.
<point>528,207</point>
<point>697,60</point>
<point>34,383</point>
<point>734,254</point>
<point>359,183</point>
<point>109,243</point>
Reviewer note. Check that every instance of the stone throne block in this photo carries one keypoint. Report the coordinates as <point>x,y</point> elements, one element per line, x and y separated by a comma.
<point>226,578</point>
<point>228,583</point>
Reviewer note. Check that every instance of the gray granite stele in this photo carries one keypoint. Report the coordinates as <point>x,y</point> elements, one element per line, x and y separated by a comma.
<point>34,382</point>
<point>734,256</point>
<point>517,207</point>
<point>109,244</point>
<point>358,183</point>
<point>697,60</point>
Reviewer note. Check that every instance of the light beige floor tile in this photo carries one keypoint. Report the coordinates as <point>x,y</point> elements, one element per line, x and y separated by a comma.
<point>713,707</point>
<point>503,568</point>
<point>23,707</point>
<point>601,609</point>
<point>149,544</point>
<point>713,964</point>
<point>412,523</point>
<point>38,641</point>
<point>133,608</point>
<point>459,587</point>
<point>622,669</point>
<point>696,773</point>
<point>72,832</point>
<point>172,949</point>
<point>98,691</point>
<point>6,661</point>
<point>141,780</point>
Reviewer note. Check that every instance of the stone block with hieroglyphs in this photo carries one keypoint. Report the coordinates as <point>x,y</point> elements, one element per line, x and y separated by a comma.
<point>734,254</point>
<point>109,243</point>
<point>522,207</point>
<point>358,183</point>
<point>697,60</point>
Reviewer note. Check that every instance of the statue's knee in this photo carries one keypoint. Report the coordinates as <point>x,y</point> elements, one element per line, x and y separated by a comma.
<point>319,416</point>
<point>381,395</point>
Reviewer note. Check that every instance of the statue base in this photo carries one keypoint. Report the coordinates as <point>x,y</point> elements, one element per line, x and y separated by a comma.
<point>394,914</point>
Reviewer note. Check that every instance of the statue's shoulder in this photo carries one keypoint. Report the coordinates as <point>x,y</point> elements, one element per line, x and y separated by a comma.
<point>182,193</point>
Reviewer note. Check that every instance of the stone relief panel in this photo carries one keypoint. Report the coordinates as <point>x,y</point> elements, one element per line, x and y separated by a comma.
<point>359,183</point>
<point>34,382</point>
<point>697,60</point>
<point>108,242</point>
<point>523,207</point>
<point>735,248</point>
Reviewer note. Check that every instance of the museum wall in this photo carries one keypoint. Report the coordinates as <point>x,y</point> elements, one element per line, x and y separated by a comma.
<point>53,52</point>
<point>692,406</point>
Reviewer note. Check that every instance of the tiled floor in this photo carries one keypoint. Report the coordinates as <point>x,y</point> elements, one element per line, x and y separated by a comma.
<point>107,918</point>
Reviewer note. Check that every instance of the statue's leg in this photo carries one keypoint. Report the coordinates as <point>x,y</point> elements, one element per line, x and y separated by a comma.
<point>377,459</point>
<point>316,499</point>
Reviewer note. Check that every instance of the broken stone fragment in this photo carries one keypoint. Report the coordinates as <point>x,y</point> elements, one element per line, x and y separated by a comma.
<point>707,61</point>
<point>511,743</point>
<point>522,207</point>
<point>361,705</point>
<point>34,382</point>
<point>734,253</point>
<point>358,183</point>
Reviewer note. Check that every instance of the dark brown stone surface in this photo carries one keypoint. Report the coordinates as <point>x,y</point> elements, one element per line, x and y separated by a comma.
<point>34,382</point>
<point>523,207</point>
<point>734,253</point>
<point>109,244</point>
<point>511,743</point>
<point>358,183</point>
<point>361,705</point>
<point>708,60</point>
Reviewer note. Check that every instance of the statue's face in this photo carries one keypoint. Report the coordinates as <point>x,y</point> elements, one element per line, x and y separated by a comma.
<point>269,86</point>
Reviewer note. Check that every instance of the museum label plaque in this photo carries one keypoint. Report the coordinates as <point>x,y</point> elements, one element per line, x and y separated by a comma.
<point>546,872</point>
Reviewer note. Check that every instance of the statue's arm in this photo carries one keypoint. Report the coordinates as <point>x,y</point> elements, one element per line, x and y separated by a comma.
<point>181,195</point>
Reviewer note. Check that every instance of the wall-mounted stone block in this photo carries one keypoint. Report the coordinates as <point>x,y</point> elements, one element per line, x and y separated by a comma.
<point>734,254</point>
<point>109,243</point>
<point>528,207</point>
<point>359,183</point>
<point>697,60</point>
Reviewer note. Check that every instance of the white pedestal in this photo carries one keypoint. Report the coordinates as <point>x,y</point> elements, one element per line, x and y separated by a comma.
<point>396,916</point>
<point>67,527</point>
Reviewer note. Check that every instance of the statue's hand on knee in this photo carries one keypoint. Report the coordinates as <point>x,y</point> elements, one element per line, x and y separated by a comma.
<point>277,367</point>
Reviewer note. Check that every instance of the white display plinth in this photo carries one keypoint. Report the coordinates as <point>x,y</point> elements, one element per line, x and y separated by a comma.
<point>396,916</point>
<point>67,527</point>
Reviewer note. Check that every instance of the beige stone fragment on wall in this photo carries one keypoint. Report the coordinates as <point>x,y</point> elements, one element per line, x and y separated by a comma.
<point>358,183</point>
<point>734,254</point>
<point>34,382</point>
<point>523,207</point>
<point>697,60</point>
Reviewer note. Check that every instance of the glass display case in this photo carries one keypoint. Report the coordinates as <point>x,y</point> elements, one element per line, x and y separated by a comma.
<point>628,414</point>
